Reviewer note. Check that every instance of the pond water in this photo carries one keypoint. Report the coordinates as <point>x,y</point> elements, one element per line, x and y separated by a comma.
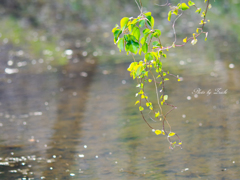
<point>79,121</point>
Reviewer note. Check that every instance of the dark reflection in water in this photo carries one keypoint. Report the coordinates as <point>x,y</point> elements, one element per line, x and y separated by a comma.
<point>63,125</point>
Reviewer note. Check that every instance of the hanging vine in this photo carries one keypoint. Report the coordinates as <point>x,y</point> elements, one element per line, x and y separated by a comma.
<point>138,35</point>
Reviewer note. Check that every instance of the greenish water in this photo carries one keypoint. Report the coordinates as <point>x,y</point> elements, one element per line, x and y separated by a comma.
<point>73,123</point>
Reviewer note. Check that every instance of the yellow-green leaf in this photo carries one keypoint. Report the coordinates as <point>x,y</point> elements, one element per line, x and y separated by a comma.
<point>194,41</point>
<point>123,23</point>
<point>137,102</point>
<point>198,10</point>
<point>165,97</point>
<point>185,40</point>
<point>169,15</point>
<point>190,3</point>
<point>184,6</point>
<point>141,108</point>
<point>157,132</point>
<point>171,134</point>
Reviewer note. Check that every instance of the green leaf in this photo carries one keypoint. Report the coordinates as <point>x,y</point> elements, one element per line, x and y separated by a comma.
<point>139,70</point>
<point>140,51</point>
<point>157,114</point>
<point>156,43</point>
<point>157,32</point>
<point>136,33</point>
<point>123,23</point>
<point>149,57</point>
<point>145,48</point>
<point>150,21</point>
<point>183,6</point>
<point>190,3</point>
<point>198,10</point>
<point>120,44</point>
<point>132,46</point>
<point>142,23</point>
<point>165,97</point>
<point>117,34</point>
<point>141,108</point>
<point>146,32</point>
<point>143,40</point>
<point>169,15</point>
<point>166,79</point>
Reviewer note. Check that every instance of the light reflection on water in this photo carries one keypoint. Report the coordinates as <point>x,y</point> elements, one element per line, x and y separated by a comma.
<point>81,123</point>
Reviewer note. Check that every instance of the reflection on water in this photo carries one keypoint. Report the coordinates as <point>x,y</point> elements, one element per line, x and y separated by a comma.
<point>81,122</point>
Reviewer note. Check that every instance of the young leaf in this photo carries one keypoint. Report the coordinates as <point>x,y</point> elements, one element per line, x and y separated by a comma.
<point>165,97</point>
<point>120,44</point>
<point>157,132</point>
<point>206,36</point>
<point>198,10</point>
<point>132,66</point>
<point>190,3</point>
<point>141,108</point>
<point>148,14</point>
<point>171,134</point>
<point>169,15</point>
<point>157,114</point>
<point>194,41</point>
<point>137,102</point>
<point>185,40</point>
<point>157,32</point>
<point>123,23</point>
<point>184,6</point>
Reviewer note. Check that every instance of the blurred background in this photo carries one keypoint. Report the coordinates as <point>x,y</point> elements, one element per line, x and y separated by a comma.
<point>67,101</point>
